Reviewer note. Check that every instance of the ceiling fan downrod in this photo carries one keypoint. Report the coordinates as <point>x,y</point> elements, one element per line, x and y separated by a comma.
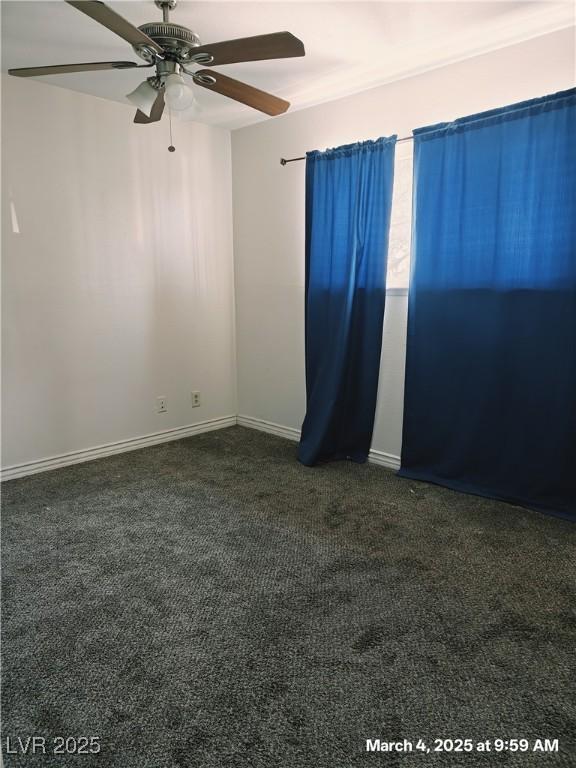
<point>176,42</point>
<point>165,6</point>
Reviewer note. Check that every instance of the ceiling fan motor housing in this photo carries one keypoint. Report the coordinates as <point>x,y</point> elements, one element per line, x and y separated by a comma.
<point>177,41</point>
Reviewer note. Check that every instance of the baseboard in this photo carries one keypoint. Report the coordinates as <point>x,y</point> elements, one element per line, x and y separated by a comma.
<point>374,457</point>
<point>268,426</point>
<point>77,457</point>
<point>384,459</point>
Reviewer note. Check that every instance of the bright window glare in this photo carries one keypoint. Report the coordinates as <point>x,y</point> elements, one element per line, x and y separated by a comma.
<point>401,219</point>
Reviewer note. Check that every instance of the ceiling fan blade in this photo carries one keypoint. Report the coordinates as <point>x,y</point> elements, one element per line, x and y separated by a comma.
<point>247,94</point>
<point>278,45</point>
<point>62,69</point>
<point>155,113</point>
<point>116,23</point>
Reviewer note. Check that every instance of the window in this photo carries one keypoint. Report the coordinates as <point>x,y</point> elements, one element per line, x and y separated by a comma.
<point>401,220</point>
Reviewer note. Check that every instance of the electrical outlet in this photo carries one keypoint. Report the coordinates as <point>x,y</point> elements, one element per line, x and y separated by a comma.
<point>195,399</point>
<point>161,404</point>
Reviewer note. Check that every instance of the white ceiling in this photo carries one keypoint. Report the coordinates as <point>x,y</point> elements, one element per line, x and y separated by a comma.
<point>350,46</point>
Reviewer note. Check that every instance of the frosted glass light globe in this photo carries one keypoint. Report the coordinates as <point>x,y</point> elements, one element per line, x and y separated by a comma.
<point>177,94</point>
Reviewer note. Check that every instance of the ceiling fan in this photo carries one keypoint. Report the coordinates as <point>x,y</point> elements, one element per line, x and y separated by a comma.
<point>171,48</point>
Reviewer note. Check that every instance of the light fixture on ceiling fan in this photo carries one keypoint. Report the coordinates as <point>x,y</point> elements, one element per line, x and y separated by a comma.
<point>171,48</point>
<point>177,95</point>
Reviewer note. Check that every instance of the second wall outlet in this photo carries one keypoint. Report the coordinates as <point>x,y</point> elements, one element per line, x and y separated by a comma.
<point>195,399</point>
<point>161,404</point>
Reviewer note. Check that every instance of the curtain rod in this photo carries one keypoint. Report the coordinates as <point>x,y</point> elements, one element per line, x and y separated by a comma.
<point>514,109</point>
<point>283,160</point>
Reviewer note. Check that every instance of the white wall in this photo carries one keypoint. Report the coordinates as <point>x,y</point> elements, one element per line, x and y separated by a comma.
<point>269,215</point>
<point>119,286</point>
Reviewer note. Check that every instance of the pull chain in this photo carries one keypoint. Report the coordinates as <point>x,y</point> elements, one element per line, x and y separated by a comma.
<point>171,148</point>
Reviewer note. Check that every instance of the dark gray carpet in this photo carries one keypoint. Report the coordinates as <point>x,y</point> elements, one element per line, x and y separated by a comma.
<point>211,602</point>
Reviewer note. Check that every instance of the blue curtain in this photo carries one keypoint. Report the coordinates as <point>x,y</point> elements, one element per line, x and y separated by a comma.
<point>348,200</point>
<point>490,398</point>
